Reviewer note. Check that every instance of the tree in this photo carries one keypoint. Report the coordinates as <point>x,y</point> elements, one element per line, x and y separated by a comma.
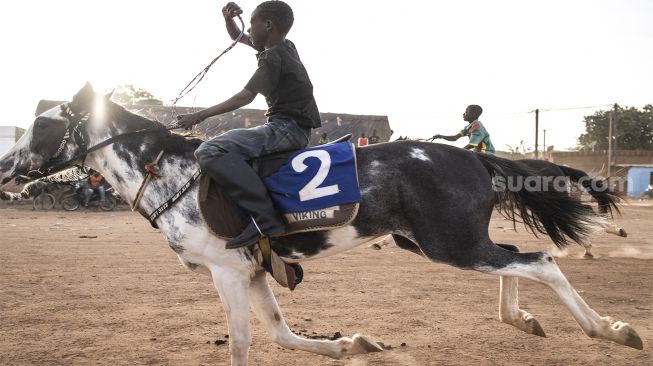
<point>128,94</point>
<point>634,129</point>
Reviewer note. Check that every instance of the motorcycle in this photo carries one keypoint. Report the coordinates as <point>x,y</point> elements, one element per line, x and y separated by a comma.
<point>648,193</point>
<point>74,200</point>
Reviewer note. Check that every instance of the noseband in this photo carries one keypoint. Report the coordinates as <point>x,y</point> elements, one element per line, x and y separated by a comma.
<point>73,132</point>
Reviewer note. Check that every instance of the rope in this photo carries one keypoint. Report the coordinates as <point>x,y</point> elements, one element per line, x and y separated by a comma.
<point>198,78</point>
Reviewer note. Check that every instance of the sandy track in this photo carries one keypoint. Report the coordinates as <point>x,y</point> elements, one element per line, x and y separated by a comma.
<point>122,298</point>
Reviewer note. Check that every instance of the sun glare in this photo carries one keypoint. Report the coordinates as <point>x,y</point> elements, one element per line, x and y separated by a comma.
<point>99,108</point>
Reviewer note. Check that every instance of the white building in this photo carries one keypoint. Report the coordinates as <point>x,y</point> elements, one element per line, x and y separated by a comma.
<point>8,137</point>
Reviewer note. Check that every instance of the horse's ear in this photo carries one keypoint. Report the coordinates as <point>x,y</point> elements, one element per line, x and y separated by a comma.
<point>83,100</point>
<point>108,96</point>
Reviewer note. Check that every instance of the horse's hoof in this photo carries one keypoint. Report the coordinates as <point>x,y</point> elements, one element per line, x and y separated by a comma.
<point>536,328</point>
<point>364,344</point>
<point>631,338</point>
<point>588,256</point>
<point>634,341</point>
<point>623,233</point>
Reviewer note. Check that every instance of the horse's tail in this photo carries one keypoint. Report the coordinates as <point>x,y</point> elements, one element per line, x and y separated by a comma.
<point>597,188</point>
<point>547,210</point>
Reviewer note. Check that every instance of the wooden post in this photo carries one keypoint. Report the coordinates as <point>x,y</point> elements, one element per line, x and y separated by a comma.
<point>611,115</point>
<point>537,128</point>
<point>615,133</point>
<point>544,149</point>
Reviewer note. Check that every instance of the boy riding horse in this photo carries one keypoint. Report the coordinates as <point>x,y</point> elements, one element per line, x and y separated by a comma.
<point>479,138</point>
<point>292,113</point>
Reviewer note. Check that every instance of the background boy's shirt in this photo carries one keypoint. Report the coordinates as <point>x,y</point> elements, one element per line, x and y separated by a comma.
<point>283,80</point>
<point>478,137</point>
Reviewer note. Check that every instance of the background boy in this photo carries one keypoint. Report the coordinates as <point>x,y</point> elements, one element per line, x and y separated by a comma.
<point>479,138</point>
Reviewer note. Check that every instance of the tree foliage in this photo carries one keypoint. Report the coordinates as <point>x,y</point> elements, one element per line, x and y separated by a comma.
<point>633,129</point>
<point>128,94</point>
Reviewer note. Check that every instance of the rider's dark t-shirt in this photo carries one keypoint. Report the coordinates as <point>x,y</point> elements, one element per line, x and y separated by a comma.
<point>283,80</point>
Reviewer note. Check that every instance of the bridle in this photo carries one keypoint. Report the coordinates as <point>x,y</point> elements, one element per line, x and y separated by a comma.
<point>75,132</point>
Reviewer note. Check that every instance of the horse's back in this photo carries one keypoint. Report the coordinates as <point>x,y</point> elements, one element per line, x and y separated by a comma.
<point>420,182</point>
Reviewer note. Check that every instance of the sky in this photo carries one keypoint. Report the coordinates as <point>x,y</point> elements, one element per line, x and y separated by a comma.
<point>418,62</point>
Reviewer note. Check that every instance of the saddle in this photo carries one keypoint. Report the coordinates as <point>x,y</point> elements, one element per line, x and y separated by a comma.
<point>226,220</point>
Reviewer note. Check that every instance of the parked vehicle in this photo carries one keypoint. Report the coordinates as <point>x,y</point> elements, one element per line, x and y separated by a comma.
<point>43,197</point>
<point>73,201</point>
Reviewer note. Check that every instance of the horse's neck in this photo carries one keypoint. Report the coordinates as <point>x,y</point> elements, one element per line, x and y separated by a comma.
<point>123,166</point>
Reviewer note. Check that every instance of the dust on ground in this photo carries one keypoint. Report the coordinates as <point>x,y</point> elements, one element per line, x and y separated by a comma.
<point>101,288</point>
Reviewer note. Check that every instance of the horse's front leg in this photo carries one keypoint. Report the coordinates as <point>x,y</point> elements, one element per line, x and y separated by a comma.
<point>266,308</point>
<point>233,288</point>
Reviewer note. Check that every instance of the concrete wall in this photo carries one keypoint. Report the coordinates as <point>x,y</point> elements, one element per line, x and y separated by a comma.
<point>8,137</point>
<point>598,161</point>
<point>591,161</point>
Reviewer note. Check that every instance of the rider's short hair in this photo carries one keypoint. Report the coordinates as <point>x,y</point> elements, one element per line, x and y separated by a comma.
<point>475,109</point>
<point>278,12</point>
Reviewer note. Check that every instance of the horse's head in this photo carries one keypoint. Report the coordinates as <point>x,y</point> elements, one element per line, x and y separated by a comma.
<point>51,144</point>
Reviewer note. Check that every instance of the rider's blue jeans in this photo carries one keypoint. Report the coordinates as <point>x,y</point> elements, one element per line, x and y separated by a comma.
<point>276,135</point>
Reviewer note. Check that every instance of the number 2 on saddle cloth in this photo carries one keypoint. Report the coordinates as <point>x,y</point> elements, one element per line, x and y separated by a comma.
<point>315,189</point>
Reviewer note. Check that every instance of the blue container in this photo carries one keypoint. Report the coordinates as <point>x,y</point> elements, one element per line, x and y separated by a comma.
<point>638,180</point>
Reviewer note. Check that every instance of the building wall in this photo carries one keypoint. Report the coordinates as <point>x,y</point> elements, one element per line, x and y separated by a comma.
<point>590,161</point>
<point>9,135</point>
<point>597,161</point>
<point>638,180</point>
<point>7,138</point>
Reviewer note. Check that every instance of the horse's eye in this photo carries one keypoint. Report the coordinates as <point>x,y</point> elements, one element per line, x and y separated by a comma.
<point>39,124</point>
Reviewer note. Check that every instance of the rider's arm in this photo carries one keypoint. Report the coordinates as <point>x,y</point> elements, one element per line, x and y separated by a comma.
<point>238,100</point>
<point>448,138</point>
<point>229,11</point>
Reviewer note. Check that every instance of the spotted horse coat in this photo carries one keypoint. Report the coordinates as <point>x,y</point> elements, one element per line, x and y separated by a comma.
<point>418,192</point>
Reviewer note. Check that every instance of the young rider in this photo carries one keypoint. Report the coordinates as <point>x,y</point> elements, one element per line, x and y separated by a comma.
<point>479,138</point>
<point>292,113</point>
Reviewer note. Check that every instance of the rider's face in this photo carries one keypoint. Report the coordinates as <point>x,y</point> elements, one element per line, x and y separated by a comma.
<point>259,30</point>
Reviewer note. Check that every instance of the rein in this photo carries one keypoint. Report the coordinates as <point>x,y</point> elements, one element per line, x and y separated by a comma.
<point>78,120</point>
<point>198,78</point>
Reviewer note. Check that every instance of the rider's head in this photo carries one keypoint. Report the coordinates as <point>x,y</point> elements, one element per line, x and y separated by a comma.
<point>472,113</point>
<point>271,19</point>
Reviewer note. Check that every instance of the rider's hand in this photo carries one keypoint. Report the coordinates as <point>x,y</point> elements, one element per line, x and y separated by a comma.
<point>187,121</point>
<point>231,10</point>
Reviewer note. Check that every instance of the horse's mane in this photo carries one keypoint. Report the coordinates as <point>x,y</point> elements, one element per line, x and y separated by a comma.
<point>169,141</point>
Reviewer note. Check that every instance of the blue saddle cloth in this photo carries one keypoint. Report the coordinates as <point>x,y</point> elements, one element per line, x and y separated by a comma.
<point>315,178</point>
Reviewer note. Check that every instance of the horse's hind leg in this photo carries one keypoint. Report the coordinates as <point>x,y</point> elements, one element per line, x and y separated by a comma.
<point>267,310</point>
<point>509,311</point>
<point>541,267</point>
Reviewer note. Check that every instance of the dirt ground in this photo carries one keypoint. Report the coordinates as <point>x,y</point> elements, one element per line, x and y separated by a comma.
<point>94,288</point>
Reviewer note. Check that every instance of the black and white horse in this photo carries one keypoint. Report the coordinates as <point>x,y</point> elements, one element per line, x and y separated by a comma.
<point>436,200</point>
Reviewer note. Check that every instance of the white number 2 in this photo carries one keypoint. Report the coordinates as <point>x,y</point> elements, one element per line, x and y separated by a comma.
<point>312,190</point>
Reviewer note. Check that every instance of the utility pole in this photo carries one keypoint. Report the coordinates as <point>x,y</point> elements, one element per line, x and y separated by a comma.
<point>544,150</point>
<point>611,115</point>
<point>537,128</point>
<point>615,126</point>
